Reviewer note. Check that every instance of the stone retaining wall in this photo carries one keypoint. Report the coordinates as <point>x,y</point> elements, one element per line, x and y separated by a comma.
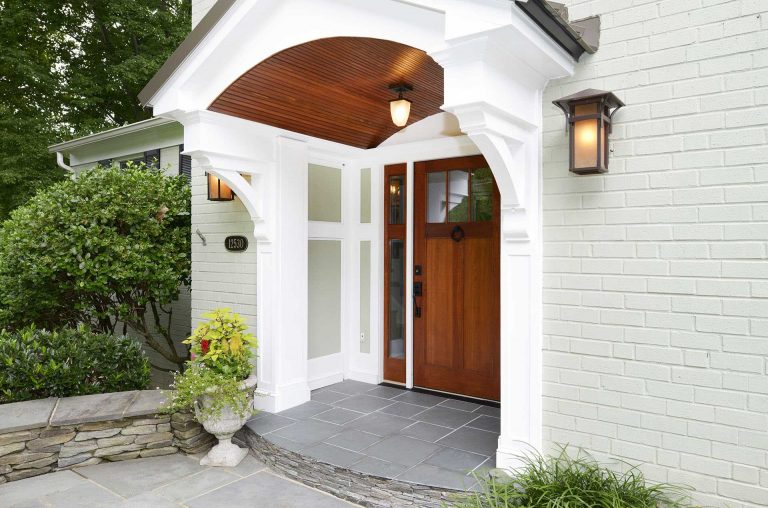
<point>359,488</point>
<point>40,436</point>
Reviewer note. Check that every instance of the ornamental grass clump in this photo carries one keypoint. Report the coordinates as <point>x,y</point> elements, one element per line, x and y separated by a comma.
<point>221,350</point>
<point>564,481</point>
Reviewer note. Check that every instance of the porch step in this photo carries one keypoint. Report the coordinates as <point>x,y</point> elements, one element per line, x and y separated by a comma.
<point>344,483</point>
<point>380,446</point>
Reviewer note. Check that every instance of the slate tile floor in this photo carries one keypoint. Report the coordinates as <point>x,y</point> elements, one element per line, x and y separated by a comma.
<point>389,432</point>
<point>171,481</point>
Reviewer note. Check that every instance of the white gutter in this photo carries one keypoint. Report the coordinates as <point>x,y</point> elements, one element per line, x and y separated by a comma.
<point>60,162</point>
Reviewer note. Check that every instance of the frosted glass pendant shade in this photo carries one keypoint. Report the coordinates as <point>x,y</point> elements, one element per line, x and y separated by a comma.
<point>400,110</point>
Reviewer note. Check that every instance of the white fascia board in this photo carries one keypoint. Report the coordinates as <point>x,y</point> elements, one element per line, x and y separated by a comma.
<point>123,130</point>
<point>123,141</point>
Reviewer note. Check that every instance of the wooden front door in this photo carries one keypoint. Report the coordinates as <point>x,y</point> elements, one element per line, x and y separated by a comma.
<point>456,277</point>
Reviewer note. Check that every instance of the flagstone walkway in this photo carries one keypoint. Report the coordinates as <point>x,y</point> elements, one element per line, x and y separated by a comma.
<point>171,481</point>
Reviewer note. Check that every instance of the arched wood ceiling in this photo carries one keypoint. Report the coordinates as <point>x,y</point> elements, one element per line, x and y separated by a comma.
<point>336,89</point>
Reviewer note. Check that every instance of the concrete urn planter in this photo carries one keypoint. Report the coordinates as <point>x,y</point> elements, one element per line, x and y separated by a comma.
<point>223,426</point>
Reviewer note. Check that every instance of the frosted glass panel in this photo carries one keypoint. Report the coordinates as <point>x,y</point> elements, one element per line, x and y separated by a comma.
<point>585,143</point>
<point>365,196</point>
<point>324,324</point>
<point>324,193</point>
<point>365,296</point>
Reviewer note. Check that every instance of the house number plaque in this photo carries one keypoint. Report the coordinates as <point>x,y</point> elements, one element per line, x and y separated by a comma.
<point>236,243</point>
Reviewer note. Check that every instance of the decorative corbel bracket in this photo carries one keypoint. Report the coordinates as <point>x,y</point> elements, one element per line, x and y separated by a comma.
<point>254,194</point>
<point>504,140</point>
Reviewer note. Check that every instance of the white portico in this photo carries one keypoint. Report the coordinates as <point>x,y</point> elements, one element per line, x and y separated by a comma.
<point>496,62</point>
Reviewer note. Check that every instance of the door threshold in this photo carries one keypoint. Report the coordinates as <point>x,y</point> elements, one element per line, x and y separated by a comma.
<point>448,395</point>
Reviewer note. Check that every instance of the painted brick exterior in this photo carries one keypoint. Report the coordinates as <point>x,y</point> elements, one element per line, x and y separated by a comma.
<point>221,278</point>
<point>656,277</point>
<point>199,9</point>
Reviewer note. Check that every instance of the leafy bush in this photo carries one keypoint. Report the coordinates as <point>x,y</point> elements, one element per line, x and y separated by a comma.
<point>567,482</point>
<point>221,359</point>
<point>35,364</point>
<point>110,249</point>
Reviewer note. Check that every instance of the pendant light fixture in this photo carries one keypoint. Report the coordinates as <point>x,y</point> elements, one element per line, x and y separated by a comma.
<point>400,108</point>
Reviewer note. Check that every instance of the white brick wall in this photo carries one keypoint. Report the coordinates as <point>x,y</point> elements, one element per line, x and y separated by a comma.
<point>221,278</point>
<point>656,277</point>
<point>199,9</point>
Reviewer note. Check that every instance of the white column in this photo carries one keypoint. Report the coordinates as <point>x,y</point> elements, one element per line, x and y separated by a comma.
<point>282,284</point>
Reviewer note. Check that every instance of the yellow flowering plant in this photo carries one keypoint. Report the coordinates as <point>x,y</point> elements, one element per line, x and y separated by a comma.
<point>222,350</point>
<point>223,344</point>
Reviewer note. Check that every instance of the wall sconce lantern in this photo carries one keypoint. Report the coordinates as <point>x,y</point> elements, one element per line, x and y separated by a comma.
<point>400,108</point>
<point>588,115</point>
<point>218,190</point>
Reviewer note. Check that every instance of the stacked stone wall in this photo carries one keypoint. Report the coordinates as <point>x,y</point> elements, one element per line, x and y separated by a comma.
<point>41,436</point>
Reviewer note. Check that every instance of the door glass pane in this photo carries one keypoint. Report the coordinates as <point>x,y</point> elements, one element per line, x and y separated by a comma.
<point>397,199</point>
<point>436,197</point>
<point>458,196</point>
<point>396,316</point>
<point>482,195</point>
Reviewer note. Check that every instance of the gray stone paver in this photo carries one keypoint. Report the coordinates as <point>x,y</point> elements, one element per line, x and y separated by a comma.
<point>17,492</point>
<point>410,436</point>
<point>146,402</point>
<point>92,408</point>
<point>25,415</point>
<point>173,482</point>
<point>132,477</point>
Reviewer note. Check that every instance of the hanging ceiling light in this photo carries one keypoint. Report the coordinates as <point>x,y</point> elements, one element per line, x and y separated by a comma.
<point>400,108</point>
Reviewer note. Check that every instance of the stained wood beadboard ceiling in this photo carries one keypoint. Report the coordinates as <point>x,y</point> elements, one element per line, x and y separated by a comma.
<point>336,89</point>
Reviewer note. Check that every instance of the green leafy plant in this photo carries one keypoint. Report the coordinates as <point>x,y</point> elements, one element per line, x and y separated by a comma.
<point>36,364</point>
<point>563,481</point>
<point>222,350</point>
<point>110,249</point>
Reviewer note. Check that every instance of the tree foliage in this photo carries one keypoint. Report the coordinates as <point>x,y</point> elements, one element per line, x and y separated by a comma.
<point>110,249</point>
<point>71,68</point>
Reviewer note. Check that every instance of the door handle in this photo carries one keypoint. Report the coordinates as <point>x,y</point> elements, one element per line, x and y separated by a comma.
<point>418,290</point>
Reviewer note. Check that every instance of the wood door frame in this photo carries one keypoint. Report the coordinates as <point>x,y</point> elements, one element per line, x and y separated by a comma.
<point>421,231</point>
<point>395,368</point>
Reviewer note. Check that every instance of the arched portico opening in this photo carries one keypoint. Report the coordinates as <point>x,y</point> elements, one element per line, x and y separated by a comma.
<point>242,127</point>
<point>336,89</point>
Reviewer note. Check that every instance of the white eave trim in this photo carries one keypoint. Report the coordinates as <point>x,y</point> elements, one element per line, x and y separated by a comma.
<point>116,132</point>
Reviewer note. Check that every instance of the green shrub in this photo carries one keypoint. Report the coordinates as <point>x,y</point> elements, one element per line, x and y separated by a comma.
<point>35,364</point>
<point>110,249</point>
<point>567,482</point>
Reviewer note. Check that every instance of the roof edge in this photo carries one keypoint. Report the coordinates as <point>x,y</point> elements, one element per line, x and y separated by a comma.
<point>575,37</point>
<point>115,132</point>
<point>188,45</point>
